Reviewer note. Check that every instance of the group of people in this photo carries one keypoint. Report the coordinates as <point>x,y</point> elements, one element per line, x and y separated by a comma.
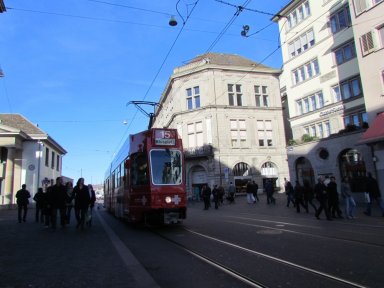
<point>59,199</point>
<point>326,193</point>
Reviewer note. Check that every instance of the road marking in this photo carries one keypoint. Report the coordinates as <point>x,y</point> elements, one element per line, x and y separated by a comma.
<point>288,263</point>
<point>142,278</point>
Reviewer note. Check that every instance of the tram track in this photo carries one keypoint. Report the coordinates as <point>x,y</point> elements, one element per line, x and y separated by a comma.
<point>241,276</point>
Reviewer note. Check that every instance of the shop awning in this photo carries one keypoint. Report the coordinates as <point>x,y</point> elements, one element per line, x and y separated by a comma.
<point>375,133</point>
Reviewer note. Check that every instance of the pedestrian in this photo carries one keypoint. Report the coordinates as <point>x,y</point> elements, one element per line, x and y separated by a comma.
<point>215,193</point>
<point>372,188</point>
<point>321,196</point>
<point>298,193</point>
<point>22,201</point>
<point>269,190</point>
<point>333,198</point>
<point>82,202</point>
<point>206,195</point>
<point>70,201</point>
<point>221,195</point>
<point>346,193</point>
<point>57,199</point>
<point>92,196</point>
<point>255,189</point>
<point>249,189</point>
<point>231,193</point>
<point>289,192</point>
<point>40,200</point>
<point>308,195</point>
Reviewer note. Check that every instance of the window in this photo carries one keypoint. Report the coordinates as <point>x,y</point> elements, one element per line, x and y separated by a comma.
<point>367,43</point>
<point>340,20</point>
<point>298,15</point>
<point>166,166</point>
<point>193,98</point>
<point>58,163</point>
<point>261,96</point>
<point>362,5</point>
<point>195,134</point>
<point>264,133</point>
<point>310,103</point>
<point>347,89</point>
<point>238,133</point>
<point>139,169</point>
<point>320,130</point>
<point>301,43</point>
<point>345,53</point>
<point>359,119</point>
<point>382,80</point>
<point>53,160</point>
<point>47,157</point>
<point>235,97</point>
<point>305,72</point>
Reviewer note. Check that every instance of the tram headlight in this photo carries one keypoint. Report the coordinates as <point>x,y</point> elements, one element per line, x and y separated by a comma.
<point>168,199</point>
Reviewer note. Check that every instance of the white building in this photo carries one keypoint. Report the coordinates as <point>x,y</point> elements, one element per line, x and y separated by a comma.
<point>27,156</point>
<point>368,26</point>
<point>228,110</point>
<point>321,82</point>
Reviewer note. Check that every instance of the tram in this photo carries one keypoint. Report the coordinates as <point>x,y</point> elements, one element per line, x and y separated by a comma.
<point>145,182</point>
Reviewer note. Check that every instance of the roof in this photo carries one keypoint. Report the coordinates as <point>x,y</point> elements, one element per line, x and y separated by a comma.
<point>16,121</point>
<point>226,60</point>
<point>19,122</point>
<point>375,133</point>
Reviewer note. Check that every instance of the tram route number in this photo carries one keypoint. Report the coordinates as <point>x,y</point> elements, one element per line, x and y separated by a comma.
<point>165,137</point>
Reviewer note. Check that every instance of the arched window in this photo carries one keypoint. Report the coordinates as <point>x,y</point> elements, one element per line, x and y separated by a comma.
<point>304,171</point>
<point>241,169</point>
<point>351,164</point>
<point>268,169</point>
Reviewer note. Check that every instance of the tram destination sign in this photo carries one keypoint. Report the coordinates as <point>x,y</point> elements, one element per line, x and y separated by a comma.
<point>165,137</point>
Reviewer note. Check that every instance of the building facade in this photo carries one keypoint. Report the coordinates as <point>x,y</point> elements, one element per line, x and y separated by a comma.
<point>228,111</point>
<point>28,156</point>
<point>368,27</point>
<point>322,86</point>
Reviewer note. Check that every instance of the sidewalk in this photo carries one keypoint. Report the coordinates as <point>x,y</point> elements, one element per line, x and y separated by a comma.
<point>33,256</point>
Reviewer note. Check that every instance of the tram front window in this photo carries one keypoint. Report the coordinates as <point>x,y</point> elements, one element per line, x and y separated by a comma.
<point>166,167</point>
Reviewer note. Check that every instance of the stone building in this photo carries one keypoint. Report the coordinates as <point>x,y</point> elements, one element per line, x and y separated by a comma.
<point>228,111</point>
<point>323,89</point>
<point>27,156</point>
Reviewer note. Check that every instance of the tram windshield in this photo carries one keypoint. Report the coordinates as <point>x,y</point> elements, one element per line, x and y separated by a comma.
<point>166,167</point>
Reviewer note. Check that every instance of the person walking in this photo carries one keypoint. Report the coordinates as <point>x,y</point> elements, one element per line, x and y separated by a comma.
<point>22,201</point>
<point>255,189</point>
<point>346,193</point>
<point>372,188</point>
<point>269,190</point>
<point>82,202</point>
<point>40,200</point>
<point>215,193</point>
<point>289,192</point>
<point>206,195</point>
<point>321,196</point>
<point>57,199</point>
<point>299,196</point>
<point>231,193</point>
<point>333,198</point>
<point>249,190</point>
<point>308,195</point>
<point>70,201</point>
<point>92,196</point>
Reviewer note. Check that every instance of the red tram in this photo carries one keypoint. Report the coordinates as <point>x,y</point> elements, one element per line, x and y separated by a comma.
<point>146,181</point>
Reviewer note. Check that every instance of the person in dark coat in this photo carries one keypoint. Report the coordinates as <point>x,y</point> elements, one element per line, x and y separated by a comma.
<point>308,195</point>
<point>206,194</point>
<point>57,199</point>
<point>321,196</point>
<point>372,188</point>
<point>41,202</point>
<point>216,196</point>
<point>82,202</point>
<point>92,196</point>
<point>289,192</point>
<point>255,189</point>
<point>269,190</point>
<point>22,201</point>
<point>299,196</point>
<point>333,198</point>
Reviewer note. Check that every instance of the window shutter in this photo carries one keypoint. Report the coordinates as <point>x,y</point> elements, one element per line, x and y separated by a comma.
<point>367,43</point>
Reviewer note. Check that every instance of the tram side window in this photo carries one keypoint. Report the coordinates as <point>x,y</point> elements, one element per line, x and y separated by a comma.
<point>139,171</point>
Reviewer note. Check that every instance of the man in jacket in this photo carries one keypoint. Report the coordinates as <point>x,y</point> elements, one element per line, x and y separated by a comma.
<point>57,199</point>
<point>22,197</point>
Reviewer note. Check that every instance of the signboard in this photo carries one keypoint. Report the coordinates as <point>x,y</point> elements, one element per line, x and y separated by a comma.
<point>165,137</point>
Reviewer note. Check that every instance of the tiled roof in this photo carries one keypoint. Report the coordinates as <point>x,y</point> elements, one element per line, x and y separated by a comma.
<point>227,59</point>
<point>19,122</point>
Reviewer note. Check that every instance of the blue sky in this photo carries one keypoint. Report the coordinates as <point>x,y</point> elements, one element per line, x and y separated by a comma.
<point>71,66</point>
